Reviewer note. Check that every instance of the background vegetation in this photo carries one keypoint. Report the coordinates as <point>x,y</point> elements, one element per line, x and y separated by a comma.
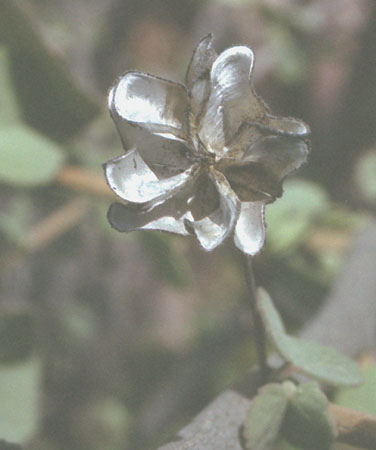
<point>111,341</point>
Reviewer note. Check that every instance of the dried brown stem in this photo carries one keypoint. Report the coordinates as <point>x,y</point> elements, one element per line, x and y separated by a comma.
<point>56,224</point>
<point>355,428</point>
<point>48,230</point>
<point>322,239</point>
<point>84,181</point>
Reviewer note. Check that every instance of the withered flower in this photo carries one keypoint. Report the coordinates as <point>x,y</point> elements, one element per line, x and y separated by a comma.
<point>206,156</point>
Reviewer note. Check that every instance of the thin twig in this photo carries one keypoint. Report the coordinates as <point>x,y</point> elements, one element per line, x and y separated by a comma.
<point>47,230</point>
<point>83,180</point>
<point>259,329</point>
<point>354,428</point>
<point>55,224</point>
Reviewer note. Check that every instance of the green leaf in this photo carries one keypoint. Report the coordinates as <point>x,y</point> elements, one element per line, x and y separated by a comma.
<point>9,110</point>
<point>265,417</point>
<point>292,64</point>
<point>362,398</point>
<point>51,99</point>
<point>15,219</point>
<point>19,394</point>
<point>27,158</point>
<point>322,363</point>
<point>289,219</point>
<point>308,423</point>
<point>365,178</point>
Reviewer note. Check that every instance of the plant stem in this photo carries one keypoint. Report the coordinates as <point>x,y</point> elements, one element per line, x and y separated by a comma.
<point>354,428</point>
<point>258,325</point>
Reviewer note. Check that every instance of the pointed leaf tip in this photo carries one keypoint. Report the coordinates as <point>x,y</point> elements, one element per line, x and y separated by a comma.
<point>265,417</point>
<point>322,363</point>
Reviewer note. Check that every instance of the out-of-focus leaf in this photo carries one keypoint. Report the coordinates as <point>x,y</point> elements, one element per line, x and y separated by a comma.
<point>27,158</point>
<point>51,100</point>
<point>362,398</point>
<point>322,363</point>
<point>365,176</point>
<point>291,65</point>
<point>15,219</point>
<point>308,423</point>
<point>9,110</point>
<point>341,218</point>
<point>265,417</point>
<point>19,393</point>
<point>291,216</point>
<point>17,335</point>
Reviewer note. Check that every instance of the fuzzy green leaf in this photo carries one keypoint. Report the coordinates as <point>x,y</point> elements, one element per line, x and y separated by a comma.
<point>362,398</point>
<point>308,423</point>
<point>27,158</point>
<point>365,176</point>
<point>19,384</point>
<point>51,100</point>
<point>289,219</point>
<point>265,417</point>
<point>9,109</point>
<point>322,363</point>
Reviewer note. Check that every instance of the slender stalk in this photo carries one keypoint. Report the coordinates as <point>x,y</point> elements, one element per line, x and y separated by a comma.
<point>259,329</point>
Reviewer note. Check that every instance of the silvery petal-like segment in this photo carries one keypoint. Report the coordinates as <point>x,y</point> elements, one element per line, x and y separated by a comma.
<point>252,182</point>
<point>232,100</point>
<point>280,155</point>
<point>158,105</point>
<point>166,157</point>
<point>211,231</point>
<point>132,180</point>
<point>288,126</point>
<point>250,228</point>
<point>125,218</point>
<point>198,77</point>
<point>201,62</point>
<point>247,135</point>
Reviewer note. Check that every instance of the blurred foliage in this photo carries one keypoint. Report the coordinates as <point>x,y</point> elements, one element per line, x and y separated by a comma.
<point>9,108</point>
<point>265,416</point>
<point>113,341</point>
<point>51,100</point>
<point>363,398</point>
<point>290,219</point>
<point>365,176</point>
<point>315,361</point>
<point>299,413</point>
<point>28,158</point>
<point>308,422</point>
<point>19,385</point>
